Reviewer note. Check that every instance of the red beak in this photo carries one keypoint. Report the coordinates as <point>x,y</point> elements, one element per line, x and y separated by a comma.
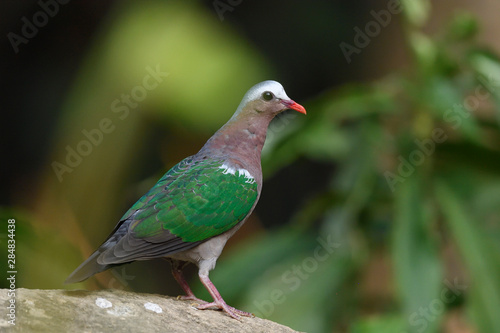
<point>294,106</point>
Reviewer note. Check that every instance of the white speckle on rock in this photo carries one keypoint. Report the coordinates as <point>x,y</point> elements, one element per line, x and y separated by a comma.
<point>153,307</point>
<point>103,303</point>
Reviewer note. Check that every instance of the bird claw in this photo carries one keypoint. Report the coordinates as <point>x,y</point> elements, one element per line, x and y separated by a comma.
<point>191,298</point>
<point>233,312</point>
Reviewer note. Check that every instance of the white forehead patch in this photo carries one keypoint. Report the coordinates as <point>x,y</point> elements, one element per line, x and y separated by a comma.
<point>256,92</point>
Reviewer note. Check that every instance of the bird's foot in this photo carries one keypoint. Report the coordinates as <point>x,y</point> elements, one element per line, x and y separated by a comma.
<point>191,298</point>
<point>218,301</point>
<point>233,312</point>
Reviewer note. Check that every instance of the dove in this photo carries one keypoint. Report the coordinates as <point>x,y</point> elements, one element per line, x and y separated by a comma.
<point>191,212</point>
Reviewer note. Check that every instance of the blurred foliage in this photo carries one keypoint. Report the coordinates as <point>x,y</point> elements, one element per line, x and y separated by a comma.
<point>416,187</point>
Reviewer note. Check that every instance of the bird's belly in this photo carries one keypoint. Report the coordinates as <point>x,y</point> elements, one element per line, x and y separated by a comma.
<point>206,254</point>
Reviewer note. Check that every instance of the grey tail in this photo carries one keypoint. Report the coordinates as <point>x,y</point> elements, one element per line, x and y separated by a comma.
<point>88,268</point>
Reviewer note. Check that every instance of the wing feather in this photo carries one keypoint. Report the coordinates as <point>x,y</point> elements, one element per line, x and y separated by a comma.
<point>192,202</point>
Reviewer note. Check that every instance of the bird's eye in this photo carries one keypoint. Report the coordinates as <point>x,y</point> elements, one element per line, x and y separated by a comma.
<point>267,95</point>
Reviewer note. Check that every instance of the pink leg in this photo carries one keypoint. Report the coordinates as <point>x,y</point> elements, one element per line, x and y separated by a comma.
<point>219,302</point>
<point>179,277</point>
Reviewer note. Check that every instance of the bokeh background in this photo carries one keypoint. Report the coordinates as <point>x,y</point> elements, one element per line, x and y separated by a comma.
<point>381,207</point>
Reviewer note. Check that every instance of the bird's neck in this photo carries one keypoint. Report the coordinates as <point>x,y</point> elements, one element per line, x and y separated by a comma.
<point>241,140</point>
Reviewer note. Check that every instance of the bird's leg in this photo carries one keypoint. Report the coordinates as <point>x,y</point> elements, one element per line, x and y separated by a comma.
<point>218,301</point>
<point>179,277</point>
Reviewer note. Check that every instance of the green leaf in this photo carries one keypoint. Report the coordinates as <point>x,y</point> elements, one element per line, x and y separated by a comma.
<point>487,68</point>
<point>416,11</point>
<point>463,25</point>
<point>448,101</point>
<point>479,257</point>
<point>416,262</point>
<point>425,49</point>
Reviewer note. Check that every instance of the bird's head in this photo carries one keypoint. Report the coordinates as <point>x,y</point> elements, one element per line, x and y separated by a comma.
<point>266,98</point>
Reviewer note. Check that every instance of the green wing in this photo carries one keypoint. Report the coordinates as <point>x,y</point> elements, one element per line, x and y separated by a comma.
<point>193,201</point>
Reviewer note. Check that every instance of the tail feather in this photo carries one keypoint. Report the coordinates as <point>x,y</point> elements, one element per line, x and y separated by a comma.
<point>88,268</point>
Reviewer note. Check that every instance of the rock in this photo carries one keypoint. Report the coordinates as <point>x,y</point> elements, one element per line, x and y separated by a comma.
<point>118,311</point>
